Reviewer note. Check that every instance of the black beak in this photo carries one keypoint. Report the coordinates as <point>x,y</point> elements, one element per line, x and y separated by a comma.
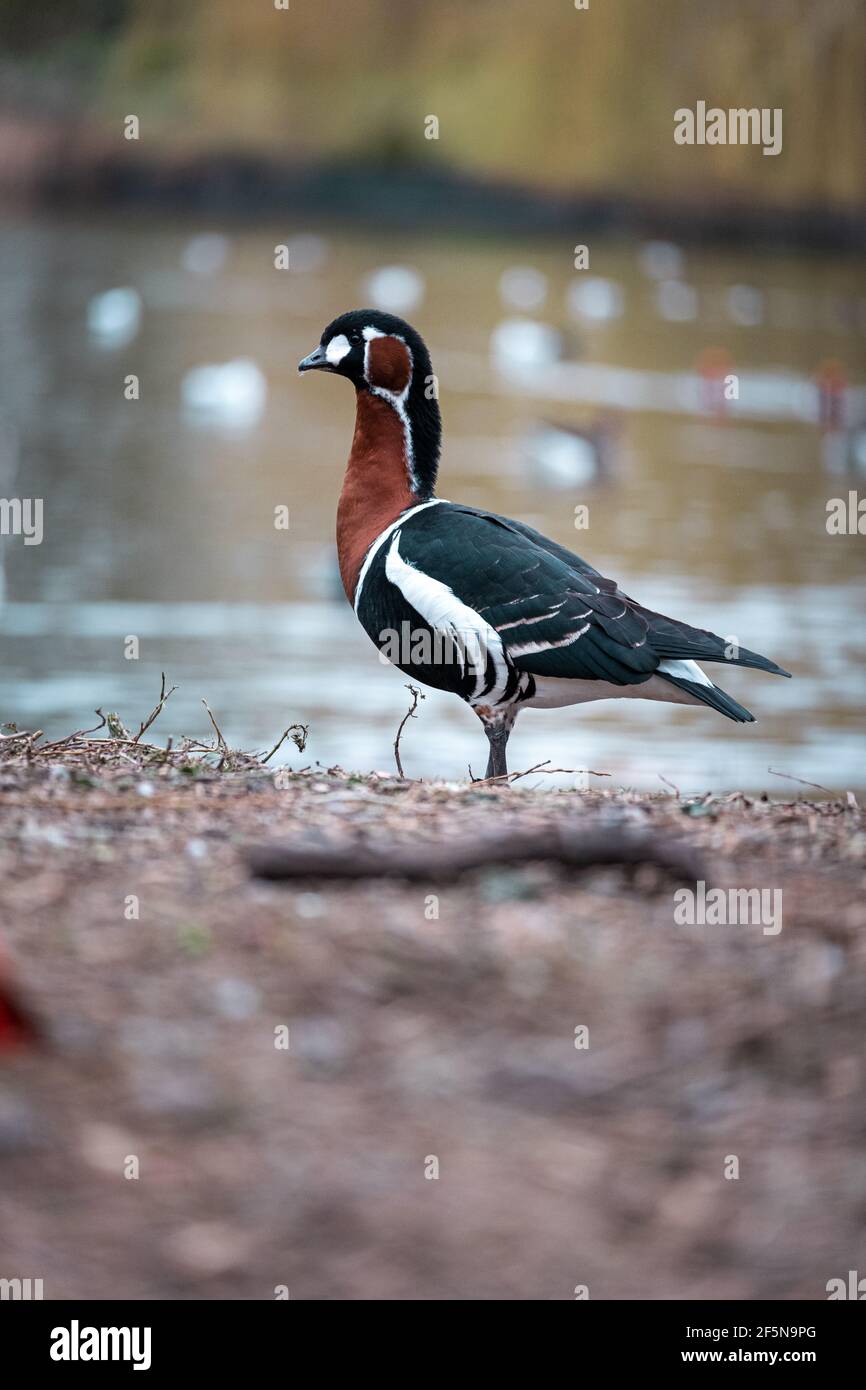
<point>317,361</point>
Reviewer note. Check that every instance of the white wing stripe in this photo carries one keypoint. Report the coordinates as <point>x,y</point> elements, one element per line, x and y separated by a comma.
<point>529,648</point>
<point>540,618</point>
<point>445,612</point>
<point>382,537</point>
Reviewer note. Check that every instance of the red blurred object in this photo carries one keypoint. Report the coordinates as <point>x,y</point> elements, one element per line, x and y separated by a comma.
<point>714,365</point>
<point>832,381</point>
<point>17,1028</point>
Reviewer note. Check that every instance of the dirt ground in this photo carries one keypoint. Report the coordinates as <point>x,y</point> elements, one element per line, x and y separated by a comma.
<point>164,976</point>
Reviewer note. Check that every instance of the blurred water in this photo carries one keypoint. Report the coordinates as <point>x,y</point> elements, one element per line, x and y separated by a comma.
<point>159,516</point>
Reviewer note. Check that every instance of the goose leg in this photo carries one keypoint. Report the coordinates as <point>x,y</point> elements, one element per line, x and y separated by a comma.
<point>497,727</point>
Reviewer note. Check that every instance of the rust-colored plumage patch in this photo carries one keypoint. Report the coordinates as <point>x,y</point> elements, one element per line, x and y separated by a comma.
<point>389,364</point>
<point>376,486</point>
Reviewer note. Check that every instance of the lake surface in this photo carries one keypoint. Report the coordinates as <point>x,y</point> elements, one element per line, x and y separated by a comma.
<point>159,513</point>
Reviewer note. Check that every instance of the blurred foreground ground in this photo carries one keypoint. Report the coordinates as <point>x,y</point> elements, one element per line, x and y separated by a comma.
<point>411,1038</point>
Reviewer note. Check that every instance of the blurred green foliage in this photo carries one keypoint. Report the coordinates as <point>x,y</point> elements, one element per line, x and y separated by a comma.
<point>537,93</point>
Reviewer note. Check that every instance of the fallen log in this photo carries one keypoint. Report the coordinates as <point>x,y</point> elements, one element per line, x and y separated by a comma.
<point>447,859</point>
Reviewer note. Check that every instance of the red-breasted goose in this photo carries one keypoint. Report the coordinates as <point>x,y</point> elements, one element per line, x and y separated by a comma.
<point>464,600</point>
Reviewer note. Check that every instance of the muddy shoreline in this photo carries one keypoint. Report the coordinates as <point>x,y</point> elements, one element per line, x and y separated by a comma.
<point>423,1021</point>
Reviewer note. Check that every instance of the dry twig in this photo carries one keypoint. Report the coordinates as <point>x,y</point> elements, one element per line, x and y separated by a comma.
<point>221,743</point>
<point>410,714</point>
<point>673,786</point>
<point>79,747</point>
<point>508,777</point>
<point>299,738</point>
<point>157,711</point>
<point>803,783</point>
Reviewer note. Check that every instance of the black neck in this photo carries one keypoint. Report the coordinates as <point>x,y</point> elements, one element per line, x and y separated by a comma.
<point>425,424</point>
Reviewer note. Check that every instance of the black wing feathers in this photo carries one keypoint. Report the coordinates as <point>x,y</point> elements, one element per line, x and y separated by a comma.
<point>668,636</point>
<point>677,640</point>
<point>717,699</point>
<point>555,614</point>
<point>554,620</point>
<point>620,627</point>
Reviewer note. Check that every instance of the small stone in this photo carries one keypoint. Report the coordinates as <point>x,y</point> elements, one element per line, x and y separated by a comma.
<point>18,1124</point>
<point>185,1097</point>
<point>208,1247</point>
<point>322,1042</point>
<point>310,905</point>
<point>105,1147</point>
<point>236,999</point>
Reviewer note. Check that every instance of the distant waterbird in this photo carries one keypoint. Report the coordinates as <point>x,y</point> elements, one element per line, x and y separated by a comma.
<point>522,287</point>
<point>843,451</point>
<point>206,254</point>
<point>562,457</point>
<point>114,316</point>
<point>395,288</point>
<point>661,260</point>
<point>520,344</point>
<point>595,299</point>
<point>231,395</point>
<point>676,302</point>
<point>465,600</point>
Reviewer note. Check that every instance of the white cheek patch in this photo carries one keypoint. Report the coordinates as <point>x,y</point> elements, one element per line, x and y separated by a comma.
<point>337,349</point>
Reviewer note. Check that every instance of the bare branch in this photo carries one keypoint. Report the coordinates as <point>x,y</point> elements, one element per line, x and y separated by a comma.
<point>81,747</point>
<point>410,714</point>
<point>505,777</point>
<point>299,738</point>
<point>672,785</point>
<point>79,733</point>
<point>542,767</point>
<point>788,775</point>
<point>221,743</point>
<point>155,713</point>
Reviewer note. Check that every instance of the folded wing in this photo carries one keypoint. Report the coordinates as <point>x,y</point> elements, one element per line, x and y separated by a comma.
<point>555,614</point>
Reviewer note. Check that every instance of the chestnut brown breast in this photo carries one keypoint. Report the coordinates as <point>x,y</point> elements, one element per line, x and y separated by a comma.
<point>376,486</point>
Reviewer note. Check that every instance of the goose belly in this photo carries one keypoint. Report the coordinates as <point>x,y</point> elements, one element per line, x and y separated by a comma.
<point>555,692</point>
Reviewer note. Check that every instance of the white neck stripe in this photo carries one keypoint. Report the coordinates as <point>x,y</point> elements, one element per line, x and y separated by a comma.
<point>395,400</point>
<point>382,537</point>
